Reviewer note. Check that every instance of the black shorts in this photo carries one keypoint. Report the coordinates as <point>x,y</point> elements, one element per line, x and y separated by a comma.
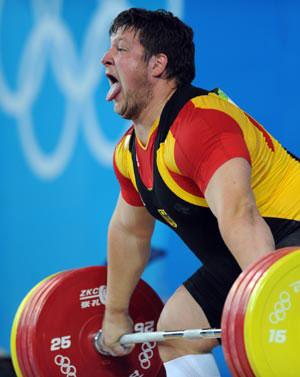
<point>211,283</point>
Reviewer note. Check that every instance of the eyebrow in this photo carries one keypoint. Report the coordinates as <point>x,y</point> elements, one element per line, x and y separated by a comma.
<point>120,39</point>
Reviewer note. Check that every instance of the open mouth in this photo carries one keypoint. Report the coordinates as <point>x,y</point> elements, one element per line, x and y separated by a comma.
<point>112,79</point>
<point>115,87</point>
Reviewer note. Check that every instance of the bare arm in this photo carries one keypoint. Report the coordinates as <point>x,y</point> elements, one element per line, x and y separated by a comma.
<point>230,198</point>
<point>129,236</point>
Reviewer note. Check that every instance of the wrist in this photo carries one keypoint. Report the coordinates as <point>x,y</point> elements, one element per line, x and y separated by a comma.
<point>115,311</point>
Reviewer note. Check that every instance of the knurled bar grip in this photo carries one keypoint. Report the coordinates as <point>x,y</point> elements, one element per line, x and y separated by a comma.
<point>158,336</point>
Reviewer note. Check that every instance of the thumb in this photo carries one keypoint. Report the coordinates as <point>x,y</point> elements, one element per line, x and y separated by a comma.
<point>122,349</point>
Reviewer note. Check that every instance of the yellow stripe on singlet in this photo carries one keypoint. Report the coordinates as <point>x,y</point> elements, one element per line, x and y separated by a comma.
<point>172,184</point>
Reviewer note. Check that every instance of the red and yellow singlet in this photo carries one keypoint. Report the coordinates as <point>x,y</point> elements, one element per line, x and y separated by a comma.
<point>208,131</point>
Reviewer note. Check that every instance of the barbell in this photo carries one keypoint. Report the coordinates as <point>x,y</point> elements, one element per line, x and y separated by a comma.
<point>56,328</point>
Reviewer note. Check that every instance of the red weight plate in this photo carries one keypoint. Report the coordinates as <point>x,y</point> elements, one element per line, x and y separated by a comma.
<point>20,366</point>
<point>68,315</point>
<point>249,279</point>
<point>20,349</point>
<point>225,325</point>
<point>244,366</point>
<point>162,372</point>
<point>22,332</point>
<point>228,315</point>
<point>226,329</point>
<point>242,349</point>
<point>29,317</point>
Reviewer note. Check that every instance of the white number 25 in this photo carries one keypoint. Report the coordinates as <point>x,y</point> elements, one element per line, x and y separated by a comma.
<point>61,343</point>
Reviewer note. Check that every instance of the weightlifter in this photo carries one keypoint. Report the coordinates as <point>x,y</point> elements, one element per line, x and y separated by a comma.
<point>197,162</point>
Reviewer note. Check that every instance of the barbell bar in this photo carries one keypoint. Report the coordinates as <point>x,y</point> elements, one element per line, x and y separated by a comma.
<point>56,328</point>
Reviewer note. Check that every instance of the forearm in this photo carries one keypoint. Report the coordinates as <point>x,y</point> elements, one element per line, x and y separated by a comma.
<point>247,235</point>
<point>128,254</point>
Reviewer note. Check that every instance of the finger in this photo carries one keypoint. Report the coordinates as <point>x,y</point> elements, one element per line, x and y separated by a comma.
<point>122,350</point>
<point>102,348</point>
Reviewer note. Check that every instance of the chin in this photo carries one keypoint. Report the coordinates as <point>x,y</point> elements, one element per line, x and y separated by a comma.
<point>122,111</point>
<point>125,116</point>
<point>119,111</point>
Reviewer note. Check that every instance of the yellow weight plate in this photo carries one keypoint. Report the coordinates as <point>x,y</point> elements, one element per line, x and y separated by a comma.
<point>13,335</point>
<point>272,320</point>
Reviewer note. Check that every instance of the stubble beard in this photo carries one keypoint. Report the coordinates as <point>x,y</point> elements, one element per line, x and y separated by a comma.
<point>136,101</point>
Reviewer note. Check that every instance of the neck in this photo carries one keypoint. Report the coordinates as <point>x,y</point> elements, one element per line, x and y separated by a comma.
<point>145,120</point>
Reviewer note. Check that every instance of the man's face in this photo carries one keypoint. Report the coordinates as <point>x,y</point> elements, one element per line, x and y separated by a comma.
<point>127,72</point>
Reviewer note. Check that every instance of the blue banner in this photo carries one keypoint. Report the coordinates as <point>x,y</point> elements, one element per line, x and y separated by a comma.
<point>57,132</point>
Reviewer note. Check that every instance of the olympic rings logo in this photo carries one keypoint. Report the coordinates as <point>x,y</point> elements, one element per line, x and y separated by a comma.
<point>280,308</point>
<point>146,355</point>
<point>65,365</point>
<point>50,44</point>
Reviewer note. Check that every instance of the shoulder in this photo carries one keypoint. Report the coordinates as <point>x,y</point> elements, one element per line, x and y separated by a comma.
<point>215,100</point>
<point>213,112</point>
<point>217,107</point>
<point>122,153</point>
<point>208,125</point>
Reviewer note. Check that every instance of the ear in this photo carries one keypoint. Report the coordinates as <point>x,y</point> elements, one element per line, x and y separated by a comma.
<point>158,64</point>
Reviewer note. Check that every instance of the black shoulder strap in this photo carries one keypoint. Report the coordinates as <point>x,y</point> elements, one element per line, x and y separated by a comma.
<point>174,105</point>
<point>180,97</point>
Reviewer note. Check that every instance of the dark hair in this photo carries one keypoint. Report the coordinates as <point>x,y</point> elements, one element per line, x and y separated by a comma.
<point>161,32</point>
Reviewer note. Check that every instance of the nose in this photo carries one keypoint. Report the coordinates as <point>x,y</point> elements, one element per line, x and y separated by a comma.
<point>107,58</point>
